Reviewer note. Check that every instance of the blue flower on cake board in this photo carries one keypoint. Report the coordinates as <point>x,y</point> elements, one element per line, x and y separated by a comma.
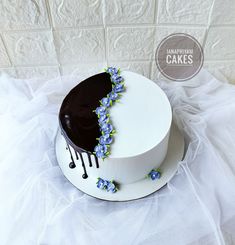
<point>154,174</point>
<point>100,183</point>
<point>111,187</point>
<point>107,185</point>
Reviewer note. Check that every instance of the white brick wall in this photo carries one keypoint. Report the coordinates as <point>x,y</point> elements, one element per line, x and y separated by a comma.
<point>47,38</point>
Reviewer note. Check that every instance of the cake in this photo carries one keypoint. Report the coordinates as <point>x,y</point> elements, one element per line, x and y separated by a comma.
<point>141,117</point>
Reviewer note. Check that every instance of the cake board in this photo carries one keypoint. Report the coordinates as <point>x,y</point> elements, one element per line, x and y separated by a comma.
<point>126,192</point>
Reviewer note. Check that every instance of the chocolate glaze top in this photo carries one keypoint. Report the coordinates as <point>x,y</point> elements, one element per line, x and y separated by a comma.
<point>78,122</point>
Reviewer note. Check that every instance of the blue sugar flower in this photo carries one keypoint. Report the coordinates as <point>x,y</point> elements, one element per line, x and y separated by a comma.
<point>107,102</point>
<point>116,78</point>
<point>106,183</point>
<point>105,139</point>
<point>106,128</point>
<point>112,70</point>
<point>103,119</point>
<point>118,88</point>
<point>109,70</point>
<point>113,96</point>
<point>111,187</point>
<point>100,111</point>
<point>101,150</point>
<point>100,154</point>
<point>100,183</point>
<point>154,174</point>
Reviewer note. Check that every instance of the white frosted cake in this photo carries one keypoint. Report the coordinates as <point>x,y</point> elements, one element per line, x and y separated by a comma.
<point>141,117</point>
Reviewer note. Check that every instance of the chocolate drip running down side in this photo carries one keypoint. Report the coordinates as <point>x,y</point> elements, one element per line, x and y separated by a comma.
<point>78,123</point>
<point>71,164</point>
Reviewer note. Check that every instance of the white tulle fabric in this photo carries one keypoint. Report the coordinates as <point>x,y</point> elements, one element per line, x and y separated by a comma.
<point>39,206</point>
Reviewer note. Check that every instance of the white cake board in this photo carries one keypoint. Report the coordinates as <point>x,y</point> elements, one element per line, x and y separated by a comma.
<point>126,192</point>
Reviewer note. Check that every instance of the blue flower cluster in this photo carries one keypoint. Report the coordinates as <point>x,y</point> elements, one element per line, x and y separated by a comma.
<point>154,174</point>
<point>106,185</point>
<point>102,148</point>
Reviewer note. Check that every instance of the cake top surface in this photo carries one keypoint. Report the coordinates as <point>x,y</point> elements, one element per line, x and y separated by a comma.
<point>141,119</point>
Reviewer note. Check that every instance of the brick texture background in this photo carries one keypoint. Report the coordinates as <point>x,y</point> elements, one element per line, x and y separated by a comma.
<point>47,38</point>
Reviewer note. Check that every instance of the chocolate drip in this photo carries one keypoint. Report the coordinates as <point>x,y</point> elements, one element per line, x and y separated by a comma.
<point>84,176</point>
<point>71,164</point>
<point>89,159</point>
<point>96,161</point>
<point>76,154</point>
